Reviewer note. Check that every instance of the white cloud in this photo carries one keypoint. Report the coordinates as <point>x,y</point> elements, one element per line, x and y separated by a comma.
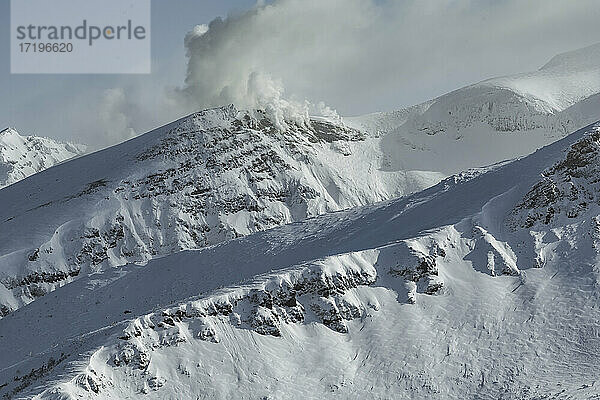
<point>363,55</point>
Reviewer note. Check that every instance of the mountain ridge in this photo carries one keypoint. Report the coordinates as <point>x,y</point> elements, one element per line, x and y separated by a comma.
<point>390,273</point>
<point>203,179</point>
<point>23,156</point>
<point>514,115</point>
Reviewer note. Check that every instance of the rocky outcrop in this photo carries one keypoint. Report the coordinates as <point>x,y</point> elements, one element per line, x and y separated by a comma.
<point>567,190</point>
<point>418,266</point>
<point>279,299</point>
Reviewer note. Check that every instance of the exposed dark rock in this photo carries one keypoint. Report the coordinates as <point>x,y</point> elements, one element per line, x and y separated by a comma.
<point>568,188</point>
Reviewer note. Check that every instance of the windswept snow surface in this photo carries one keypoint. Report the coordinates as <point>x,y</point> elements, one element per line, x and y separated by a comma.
<point>209,177</point>
<point>484,286</point>
<point>565,80</point>
<point>22,156</point>
<point>494,120</point>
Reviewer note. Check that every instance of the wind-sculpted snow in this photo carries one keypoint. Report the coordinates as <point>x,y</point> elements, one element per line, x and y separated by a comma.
<point>473,126</point>
<point>562,82</point>
<point>434,295</point>
<point>483,286</point>
<point>22,156</point>
<point>491,121</point>
<point>210,177</point>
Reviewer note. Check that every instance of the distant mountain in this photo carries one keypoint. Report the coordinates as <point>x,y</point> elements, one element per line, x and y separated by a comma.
<point>494,120</point>
<point>485,286</point>
<point>22,156</point>
<point>565,80</point>
<point>209,177</point>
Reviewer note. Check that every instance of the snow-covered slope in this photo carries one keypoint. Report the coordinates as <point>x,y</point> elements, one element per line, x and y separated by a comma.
<point>565,80</point>
<point>22,156</point>
<point>209,177</point>
<point>494,120</point>
<point>485,286</point>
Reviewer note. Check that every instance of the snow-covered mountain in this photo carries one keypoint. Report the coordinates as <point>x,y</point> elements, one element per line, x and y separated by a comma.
<point>484,286</point>
<point>458,291</point>
<point>225,173</point>
<point>209,177</point>
<point>22,156</point>
<point>501,117</point>
<point>565,80</point>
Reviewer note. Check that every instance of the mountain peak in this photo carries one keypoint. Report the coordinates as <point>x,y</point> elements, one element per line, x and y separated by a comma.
<point>22,156</point>
<point>8,131</point>
<point>575,60</point>
<point>565,80</point>
<point>217,174</point>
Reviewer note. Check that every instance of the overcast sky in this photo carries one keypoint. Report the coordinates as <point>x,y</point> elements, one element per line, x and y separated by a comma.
<point>355,56</point>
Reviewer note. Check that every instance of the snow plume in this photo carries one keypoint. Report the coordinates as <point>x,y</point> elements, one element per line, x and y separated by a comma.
<point>358,56</point>
<point>247,59</point>
<point>265,93</point>
<point>368,55</point>
<point>115,115</point>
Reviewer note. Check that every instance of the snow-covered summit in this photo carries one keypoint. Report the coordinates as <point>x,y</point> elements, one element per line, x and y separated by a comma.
<point>22,156</point>
<point>441,294</point>
<point>565,80</point>
<point>7,131</point>
<point>206,178</point>
<point>493,120</point>
<point>586,58</point>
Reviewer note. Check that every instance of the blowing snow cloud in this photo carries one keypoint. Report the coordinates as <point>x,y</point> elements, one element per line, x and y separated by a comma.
<point>363,55</point>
